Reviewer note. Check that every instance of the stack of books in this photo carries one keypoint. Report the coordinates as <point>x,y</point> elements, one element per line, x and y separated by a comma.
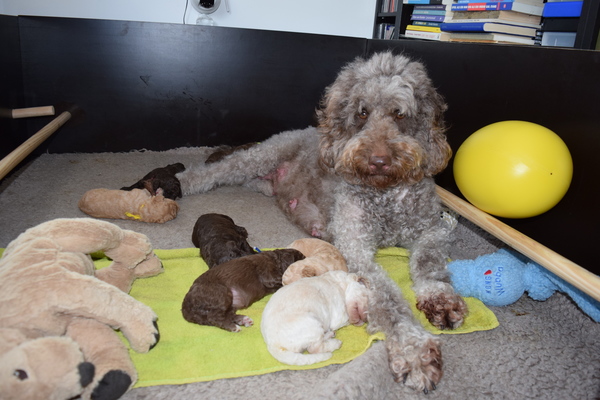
<point>508,21</point>
<point>385,31</point>
<point>560,23</point>
<point>426,18</point>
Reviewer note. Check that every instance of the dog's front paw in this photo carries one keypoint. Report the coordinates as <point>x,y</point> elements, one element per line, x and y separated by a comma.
<point>243,320</point>
<point>417,365</point>
<point>443,310</point>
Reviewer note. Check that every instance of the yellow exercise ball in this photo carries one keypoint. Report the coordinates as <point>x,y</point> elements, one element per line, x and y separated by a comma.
<point>513,169</point>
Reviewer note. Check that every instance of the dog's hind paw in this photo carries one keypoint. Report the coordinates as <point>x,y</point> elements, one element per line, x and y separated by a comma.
<point>443,310</point>
<point>418,366</point>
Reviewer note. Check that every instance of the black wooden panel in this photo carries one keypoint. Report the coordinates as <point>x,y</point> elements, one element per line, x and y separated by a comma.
<point>556,88</point>
<point>11,88</point>
<point>160,86</point>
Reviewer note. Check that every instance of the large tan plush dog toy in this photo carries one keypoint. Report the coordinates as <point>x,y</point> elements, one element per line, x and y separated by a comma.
<point>321,257</point>
<point>58,314</point>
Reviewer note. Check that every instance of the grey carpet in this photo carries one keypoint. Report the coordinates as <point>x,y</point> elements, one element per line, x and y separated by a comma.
<point>541,350</point>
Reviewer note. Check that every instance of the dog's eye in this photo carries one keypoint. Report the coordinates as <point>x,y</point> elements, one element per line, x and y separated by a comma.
<point>398,114</point>
<point>364,114</point>
<point>20,374</point>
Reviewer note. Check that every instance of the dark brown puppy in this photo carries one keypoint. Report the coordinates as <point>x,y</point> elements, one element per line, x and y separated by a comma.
<point>220,239</point>
<point>217,294</point>
<point>161,178</point>
<point>224,151</point>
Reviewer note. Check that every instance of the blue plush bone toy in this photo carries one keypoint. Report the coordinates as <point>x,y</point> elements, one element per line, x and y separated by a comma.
<point>501,278</point>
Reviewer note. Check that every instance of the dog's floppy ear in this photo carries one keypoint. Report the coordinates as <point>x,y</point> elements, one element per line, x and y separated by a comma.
<point>286,257</point>
<point>439,154</point>
<point>330,126</point>
<point>431,109</point>
<point>326,149</point>
<point>241,230</point>
<point>332,116</point>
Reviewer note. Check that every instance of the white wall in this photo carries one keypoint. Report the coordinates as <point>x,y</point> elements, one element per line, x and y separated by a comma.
<point>331,17</point>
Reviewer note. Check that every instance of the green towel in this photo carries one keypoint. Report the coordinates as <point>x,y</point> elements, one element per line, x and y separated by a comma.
<point>192,353</point>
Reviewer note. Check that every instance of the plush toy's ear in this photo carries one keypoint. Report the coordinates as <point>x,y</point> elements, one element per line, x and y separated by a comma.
<point>44,368</point>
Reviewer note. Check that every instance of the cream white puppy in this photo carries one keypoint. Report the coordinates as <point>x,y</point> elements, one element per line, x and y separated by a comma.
<point>304,315</point>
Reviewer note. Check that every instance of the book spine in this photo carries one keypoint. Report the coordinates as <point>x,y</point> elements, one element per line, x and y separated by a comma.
<point>563,9</point>
<point>493,20</point>
<point>423,35</point>
<point>427,23</point>
<point>560,24</point>
<point>429,12</point>
<point>417,17</point>
<point>422,1</point>
<point>431,7</point>
<point>423,28</point>
<point>498,5</point>
<point>462,27</point>
<point>480,6</point>
<point>471,1</point>
<point>389,32</point>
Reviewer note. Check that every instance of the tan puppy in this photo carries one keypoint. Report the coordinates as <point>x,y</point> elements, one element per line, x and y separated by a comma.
<point>304,316</point>
<point>321,257</point>
<point>136,204</point>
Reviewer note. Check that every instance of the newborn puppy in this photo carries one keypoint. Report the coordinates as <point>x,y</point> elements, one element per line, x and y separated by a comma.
<point>137,205</point>
<point>161,178</point>
<point>220,239</point>
<point>225,150</point>
<point>304,316</point>
<point>320,258</point>
<point>217,294</point>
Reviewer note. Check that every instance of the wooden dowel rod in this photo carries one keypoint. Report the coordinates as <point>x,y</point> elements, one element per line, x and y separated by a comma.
<point>18,154</point>
<point>552,261</point>
<point>32,112</point>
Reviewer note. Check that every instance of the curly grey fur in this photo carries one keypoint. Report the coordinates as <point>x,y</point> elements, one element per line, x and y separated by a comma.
<point>368,169</point>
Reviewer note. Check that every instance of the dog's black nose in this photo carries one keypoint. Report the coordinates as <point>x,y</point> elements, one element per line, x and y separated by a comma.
<point>379,163</point>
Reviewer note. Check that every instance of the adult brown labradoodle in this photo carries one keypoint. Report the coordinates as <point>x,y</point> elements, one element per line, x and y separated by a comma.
<point>368,169</point>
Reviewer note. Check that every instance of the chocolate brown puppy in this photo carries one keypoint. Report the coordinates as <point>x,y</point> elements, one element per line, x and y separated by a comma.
<point>216,295</point>
<point>220,239</point>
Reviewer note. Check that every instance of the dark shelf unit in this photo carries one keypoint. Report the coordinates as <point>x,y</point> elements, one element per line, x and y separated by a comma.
<point>587,31</point>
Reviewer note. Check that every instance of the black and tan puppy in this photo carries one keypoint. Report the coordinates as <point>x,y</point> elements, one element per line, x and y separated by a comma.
<point>220,239</point>
<point>161,178</point>
<point>217,294</point>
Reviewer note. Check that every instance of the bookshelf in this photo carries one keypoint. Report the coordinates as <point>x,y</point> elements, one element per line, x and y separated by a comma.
<point>587,30</point>
<point>398,17</point>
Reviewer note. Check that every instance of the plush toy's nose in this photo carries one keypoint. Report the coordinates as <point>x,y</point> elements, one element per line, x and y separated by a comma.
<point>86,373</point>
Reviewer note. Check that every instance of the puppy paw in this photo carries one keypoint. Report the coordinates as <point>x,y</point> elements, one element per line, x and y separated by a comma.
<point>243,320</point>
<point>418,365</point>
<point>443,310</point>
<point>317,232</point>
